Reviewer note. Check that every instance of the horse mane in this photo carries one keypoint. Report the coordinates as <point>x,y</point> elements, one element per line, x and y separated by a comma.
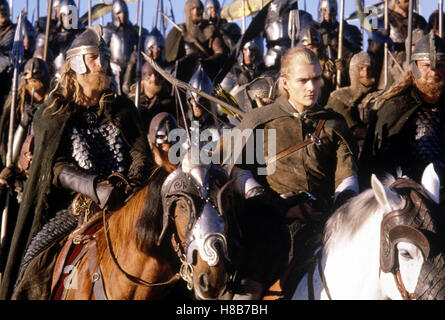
<point>350,217</point>
<point>149,224</point>
<point>141,217</point>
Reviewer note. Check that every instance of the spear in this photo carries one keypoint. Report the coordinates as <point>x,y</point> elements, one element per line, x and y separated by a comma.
<point>385,57</point>
<point>17,59</point>
<point>48,24</point>
<point>440,18</point>
<point>138,60</point>
<point>410,32</point>
<point>340,39</point>
<point>89,13</point>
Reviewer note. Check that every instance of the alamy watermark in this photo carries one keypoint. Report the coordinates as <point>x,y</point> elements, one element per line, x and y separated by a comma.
<point>71,17</point>
<point>230,146</point>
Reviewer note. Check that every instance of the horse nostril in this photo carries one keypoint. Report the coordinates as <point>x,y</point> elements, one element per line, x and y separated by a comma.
<point>204,281</point>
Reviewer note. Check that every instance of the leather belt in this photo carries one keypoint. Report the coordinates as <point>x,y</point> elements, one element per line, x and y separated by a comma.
<point>313,138</point>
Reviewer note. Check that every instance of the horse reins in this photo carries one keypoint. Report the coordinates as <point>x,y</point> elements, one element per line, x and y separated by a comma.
<point>130,277</point>
<point>401,287</point>
<point>310,277</point>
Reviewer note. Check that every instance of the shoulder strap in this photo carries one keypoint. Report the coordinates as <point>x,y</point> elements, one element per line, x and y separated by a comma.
<point>313,139</point>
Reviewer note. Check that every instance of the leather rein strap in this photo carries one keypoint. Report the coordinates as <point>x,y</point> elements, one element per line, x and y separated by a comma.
<point>130,277</point>
<point>314,138</point>
<point>310,277</point>
<point>401,287</point>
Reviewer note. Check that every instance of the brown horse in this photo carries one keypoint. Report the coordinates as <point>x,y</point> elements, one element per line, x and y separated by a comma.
<point>173,228</point>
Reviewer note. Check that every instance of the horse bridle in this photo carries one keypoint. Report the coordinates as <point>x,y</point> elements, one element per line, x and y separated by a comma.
<point>395,227</point>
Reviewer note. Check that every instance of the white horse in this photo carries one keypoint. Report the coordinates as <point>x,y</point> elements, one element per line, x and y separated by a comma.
<point>353,265</point>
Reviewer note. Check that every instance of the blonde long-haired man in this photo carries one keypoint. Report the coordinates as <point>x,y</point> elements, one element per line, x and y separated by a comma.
<point>88,141</point>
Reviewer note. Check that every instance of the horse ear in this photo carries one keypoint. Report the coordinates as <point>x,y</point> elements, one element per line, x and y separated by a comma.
<point>431,183</point>
<point>383,194</point>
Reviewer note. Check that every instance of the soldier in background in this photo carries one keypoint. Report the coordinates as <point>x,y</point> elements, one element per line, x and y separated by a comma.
<point>154,47</point>
<point>346,100</point>
<point>398,23</point>
<point>250,67</point>
<point>155,95</point>
<point>329,28</point>
<point>311,39</point>
<point>199,41</point>
<point>121,37</point>
<point>276,30</point>
<point>7,30</point>
<point>60,38</point>
<point>230,31</point>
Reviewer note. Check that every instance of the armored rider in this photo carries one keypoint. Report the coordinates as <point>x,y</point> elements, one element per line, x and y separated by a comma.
<point>88,142</point>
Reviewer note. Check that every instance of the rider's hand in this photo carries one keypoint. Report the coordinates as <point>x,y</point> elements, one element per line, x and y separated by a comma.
<point>7,177</point>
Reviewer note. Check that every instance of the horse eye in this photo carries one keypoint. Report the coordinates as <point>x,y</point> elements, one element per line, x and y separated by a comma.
<point>405,254</point>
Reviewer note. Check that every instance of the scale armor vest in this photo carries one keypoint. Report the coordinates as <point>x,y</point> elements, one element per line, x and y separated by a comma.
<point>98,149</point>
<point>429,137</point>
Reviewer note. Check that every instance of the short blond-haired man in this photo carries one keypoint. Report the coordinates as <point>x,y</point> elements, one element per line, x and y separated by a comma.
<point>314,167</point>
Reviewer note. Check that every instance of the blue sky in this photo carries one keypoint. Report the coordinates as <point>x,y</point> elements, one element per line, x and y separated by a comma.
<point>426,6</point>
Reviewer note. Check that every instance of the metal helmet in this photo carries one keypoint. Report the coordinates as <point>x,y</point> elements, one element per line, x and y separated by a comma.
<point>201,81</point>
<point>89,41</point>
<point>310,36</point>
<point>429,48</point>
<point>255,46</point>
<point>416,36</point>
<point>250,94</point>
<point>273,57</point>
<point>160,127</point>
<point>330,6</point>
<point>29,34</point>
<point>358,60</point>
<point>211,4</point>
<point>154,38</point>
<point>66,7</point>
<point>189,4</point>
<point>36,68</point>
<point>119,6</point>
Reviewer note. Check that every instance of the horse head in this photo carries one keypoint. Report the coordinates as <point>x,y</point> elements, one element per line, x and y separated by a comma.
<point>411,237</point>
<point>195,201</point>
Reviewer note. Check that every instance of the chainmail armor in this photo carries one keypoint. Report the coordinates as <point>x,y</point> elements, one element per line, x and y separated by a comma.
<point>429,137</point>
<point>98,149</point>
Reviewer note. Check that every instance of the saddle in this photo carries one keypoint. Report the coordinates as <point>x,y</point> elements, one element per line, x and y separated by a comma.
<point>79,243</point>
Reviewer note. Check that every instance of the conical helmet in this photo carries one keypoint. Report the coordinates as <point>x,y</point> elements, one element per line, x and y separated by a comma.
<point>119,6</point>
<point>89,41</point>
<point>36,68</point>
<point>429,48</point>
<point>201,81</point>
<point>211,4</point>
<point>153,39</point>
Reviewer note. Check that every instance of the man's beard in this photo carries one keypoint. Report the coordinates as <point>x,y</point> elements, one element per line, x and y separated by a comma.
<point>430,88</point>
<point>38,86</point>
<point>96,82</point>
